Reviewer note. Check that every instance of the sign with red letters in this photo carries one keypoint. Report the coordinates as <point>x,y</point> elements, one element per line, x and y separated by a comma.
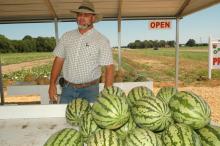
<point>159,24</point>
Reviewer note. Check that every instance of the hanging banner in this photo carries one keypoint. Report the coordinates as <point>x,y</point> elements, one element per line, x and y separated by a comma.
<point>159,24</point>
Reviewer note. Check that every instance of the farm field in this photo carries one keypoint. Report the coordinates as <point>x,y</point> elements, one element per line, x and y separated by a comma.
<point>15,58</point>
<point>137,65</point>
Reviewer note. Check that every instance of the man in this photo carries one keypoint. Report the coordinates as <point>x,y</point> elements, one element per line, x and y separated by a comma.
<point>80,54</point>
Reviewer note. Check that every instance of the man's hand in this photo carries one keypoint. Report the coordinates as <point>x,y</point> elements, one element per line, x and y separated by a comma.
<point>53,93</point>
<point>56,69</point>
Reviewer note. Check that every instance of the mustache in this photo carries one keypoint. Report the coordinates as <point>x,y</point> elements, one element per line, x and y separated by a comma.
<point>84,26</point>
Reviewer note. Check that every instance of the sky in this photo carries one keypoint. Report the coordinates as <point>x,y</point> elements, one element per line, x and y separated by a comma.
<point>198,26</point>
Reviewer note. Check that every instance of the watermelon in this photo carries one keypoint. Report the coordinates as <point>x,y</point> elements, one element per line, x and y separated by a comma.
<point>87,126</point>
<point>138,93</point>
<point>210,135</point>
<point>126,128</point>
<point>76,109</point>
<point>104,137</point>
<point>65,137</point>
<point>142,137</point>
<point>165,93</point>
<point>180,135</point>
<point>159,134</point>
<point>113,90</point>
<point>151,113</point>
<point>110,111</point>
<point>190,109</point>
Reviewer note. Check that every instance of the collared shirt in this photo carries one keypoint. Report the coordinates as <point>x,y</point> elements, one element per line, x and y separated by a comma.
<point>83,54</point>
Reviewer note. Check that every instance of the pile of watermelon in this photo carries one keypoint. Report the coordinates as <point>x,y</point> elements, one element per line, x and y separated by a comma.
<point>171,118</point>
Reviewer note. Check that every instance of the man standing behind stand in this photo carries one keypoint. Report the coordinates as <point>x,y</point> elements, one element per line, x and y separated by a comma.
<point>80,54</point>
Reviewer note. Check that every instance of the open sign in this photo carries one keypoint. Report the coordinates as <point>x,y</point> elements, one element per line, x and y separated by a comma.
<point>159,24</point>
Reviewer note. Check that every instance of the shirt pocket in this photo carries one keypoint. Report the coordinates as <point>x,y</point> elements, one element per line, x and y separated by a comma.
<point>70,51</point>
<point>92,52</point>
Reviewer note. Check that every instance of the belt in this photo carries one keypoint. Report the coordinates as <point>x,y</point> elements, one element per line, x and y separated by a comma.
<point>83,85</point>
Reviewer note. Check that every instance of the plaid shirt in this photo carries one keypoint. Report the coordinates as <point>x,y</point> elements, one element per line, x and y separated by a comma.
<point>83,55</point>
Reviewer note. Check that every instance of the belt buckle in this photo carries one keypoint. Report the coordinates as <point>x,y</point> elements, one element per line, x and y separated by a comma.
<point>83,85</point>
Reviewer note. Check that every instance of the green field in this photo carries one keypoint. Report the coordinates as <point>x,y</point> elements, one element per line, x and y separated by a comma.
<point>138,65</point>
<point>13,58</point>
<point>159,65</point>
<point>195,53</point>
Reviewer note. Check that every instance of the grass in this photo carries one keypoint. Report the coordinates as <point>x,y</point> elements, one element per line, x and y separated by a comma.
<point>184,53</point>
<point>192,66</point>
<point>14,58</point>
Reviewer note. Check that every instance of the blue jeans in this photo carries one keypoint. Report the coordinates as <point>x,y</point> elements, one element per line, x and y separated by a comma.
<point>69,93</point>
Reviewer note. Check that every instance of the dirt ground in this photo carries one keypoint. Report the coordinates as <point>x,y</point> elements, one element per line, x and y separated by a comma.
<point>25,65</point>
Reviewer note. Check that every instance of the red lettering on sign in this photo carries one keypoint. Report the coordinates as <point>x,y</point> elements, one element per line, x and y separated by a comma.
<point>160,24</point>
<point>157,24</point>
<point>167,24</point>
<point>152,25</point>
<point>216,61</point>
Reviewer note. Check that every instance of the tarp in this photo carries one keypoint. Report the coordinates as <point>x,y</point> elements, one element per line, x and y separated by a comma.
<point>15,11</point>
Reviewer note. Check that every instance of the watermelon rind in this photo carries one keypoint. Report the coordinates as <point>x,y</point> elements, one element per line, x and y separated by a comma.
<point>137,93</point>
<point>166,93</point>
<point>190,109</point>
<point>142,137</point>
<point>65,137</point>
<point>112,90</point>
<point>75,110</point>
<point>126,128</point>
<point>87,126</point>
<point>151,113</point>
<point>210,135</point>
<point>180,135</point>
<point>104,137</point>
<point>110,112</point>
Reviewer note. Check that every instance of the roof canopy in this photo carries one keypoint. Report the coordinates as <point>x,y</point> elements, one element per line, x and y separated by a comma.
<point>14,11</point>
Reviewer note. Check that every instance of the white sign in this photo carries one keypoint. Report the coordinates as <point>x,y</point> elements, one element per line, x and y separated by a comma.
<point>159,24</point>
<point>214,55</point>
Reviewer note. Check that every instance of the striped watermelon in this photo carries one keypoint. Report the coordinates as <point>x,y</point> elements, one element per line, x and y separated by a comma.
<point>159,134</point>
<point>126,128</point>
<point>76,109</point>
<point>180,135</point>
<point>190,109</point>
<point>110,112</point>
<point>65,137</point>
<point>151,113</point>
<point>114,90</point>
<point>210,136</point>
<point>142,137</point>
<point>138,93</point>
<point>87,126</point>
<point>104,137</point>
<point>165,93</point>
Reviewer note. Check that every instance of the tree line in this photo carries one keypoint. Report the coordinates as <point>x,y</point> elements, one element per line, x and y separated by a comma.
<point>27,44</point>
<point>161,44</point>
<point>47,44</point>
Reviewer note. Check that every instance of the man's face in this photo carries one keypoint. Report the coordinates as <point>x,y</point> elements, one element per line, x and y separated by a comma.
<point>85,20</point>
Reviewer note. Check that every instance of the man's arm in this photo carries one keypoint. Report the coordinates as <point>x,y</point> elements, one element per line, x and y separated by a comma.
<point>56,69</point>
<point>109,75</point>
